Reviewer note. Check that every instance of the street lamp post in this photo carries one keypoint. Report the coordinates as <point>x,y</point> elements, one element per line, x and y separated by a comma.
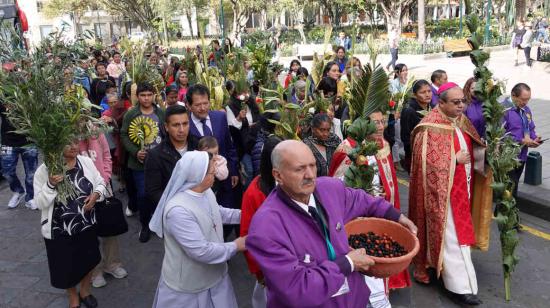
<point>488,24</point>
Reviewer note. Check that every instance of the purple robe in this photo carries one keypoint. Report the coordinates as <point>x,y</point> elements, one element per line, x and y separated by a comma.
<point>514,127</point>
<point>435,97</point>
<point>290,247</point>
<point>474,113</point>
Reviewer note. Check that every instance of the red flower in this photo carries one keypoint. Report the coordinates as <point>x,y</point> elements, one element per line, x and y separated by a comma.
<point>259,100</point>
<point>392,104</point>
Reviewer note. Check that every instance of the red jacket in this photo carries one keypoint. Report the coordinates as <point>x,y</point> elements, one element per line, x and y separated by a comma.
<point>252,199</point>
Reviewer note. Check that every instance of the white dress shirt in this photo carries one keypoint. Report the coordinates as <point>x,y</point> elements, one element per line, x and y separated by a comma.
<point>199,124</point>
<point>312,203</point>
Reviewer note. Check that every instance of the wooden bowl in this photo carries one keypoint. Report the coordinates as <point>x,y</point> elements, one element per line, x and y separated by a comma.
<point>386,267</point>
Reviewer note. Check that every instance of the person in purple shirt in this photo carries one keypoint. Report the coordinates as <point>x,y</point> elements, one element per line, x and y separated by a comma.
<point>298,236</point>
<point>438,78</point>
<point>474,109</point>
<point>519,124</point>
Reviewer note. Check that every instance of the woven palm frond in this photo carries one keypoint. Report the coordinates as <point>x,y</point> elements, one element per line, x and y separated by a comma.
<point>143,130</point>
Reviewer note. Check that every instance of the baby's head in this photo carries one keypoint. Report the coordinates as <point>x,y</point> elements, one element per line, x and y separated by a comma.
<point>208,144</point>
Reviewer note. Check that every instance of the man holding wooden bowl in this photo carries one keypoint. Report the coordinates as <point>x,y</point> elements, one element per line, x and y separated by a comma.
<point>298,236</point>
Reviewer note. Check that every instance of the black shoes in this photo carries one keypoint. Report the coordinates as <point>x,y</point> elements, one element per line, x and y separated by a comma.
<point>468,299</point>
<point>144,234</point>
<point>89,301</point>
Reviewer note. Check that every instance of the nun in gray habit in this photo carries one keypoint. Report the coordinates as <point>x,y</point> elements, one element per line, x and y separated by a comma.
<point>194,269</point>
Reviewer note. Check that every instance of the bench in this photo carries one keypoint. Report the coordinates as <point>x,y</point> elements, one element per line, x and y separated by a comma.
<point>409,35</point>
<point>306,52</point>
<point>456,47</point>
<point>404,35</point>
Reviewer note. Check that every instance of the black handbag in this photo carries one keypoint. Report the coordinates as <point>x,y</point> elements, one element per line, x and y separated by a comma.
<point>110,218</point>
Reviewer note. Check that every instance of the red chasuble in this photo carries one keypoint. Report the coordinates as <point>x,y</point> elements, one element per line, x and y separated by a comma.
<point>433,173</point>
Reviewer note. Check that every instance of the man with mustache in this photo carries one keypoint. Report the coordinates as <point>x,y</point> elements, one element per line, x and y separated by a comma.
<point>298,236</point>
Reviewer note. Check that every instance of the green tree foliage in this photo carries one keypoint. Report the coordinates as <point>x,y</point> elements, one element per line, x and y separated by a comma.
<point>75,8</point>
<point>42,104</point>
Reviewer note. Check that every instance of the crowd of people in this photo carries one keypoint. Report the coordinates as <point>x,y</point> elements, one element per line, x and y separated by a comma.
<point>527,34</point>
<point>201,176</point>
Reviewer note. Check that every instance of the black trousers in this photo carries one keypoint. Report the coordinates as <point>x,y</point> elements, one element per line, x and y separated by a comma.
<point>514,176</point>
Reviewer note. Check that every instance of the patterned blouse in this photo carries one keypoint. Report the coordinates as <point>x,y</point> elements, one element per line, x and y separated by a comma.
<point>70,219</point>
<point>323,159</point>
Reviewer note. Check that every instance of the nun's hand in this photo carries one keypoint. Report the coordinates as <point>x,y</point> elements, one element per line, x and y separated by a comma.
<point>240,242</point>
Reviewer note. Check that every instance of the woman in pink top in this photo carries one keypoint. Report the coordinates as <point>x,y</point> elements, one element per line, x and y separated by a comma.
<point>182,81</point>
<point>97,148</point>
<point>116,68</point>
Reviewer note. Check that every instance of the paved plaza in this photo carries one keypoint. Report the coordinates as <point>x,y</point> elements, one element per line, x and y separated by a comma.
<point>24,276</point>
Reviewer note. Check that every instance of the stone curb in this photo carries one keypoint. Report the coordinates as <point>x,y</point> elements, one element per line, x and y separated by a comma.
<point>440,55</point>
<point>534,200</point>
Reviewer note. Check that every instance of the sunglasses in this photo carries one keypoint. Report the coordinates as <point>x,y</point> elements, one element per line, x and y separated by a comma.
<point>457,102</point>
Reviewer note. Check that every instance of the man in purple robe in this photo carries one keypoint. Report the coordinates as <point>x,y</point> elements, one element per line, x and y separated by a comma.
<point>298,236</point>
<point>519,124</point>
<point>438,78</point>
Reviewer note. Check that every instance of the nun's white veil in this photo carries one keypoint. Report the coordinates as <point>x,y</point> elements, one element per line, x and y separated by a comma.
<point>189,172</point>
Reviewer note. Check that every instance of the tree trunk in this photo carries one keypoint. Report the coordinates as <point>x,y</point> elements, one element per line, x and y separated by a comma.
<point>467,7</point>
<point>300,24</point>
<point>421,21</point>
<point>393,18</point>
<point>263,20</point>
<point>521,7</point>
<point>76,21</point>
<point>189,16</point>
<point>239,23</point>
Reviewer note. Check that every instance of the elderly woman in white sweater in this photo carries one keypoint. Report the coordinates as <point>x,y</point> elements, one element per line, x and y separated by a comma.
<point>68,229</point>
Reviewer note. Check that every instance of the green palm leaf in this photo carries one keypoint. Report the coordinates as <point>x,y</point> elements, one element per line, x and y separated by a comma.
<point>370,92</point>
<point>378,94</point>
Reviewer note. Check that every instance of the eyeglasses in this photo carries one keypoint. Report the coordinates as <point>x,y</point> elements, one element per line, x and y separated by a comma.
<point>380,122</point>
<point>457,102</point>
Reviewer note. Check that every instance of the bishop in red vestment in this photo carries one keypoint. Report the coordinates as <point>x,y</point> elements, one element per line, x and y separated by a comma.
<point>440,195</point>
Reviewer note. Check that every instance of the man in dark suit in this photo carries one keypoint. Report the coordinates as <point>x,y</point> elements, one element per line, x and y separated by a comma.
<point>206,122</point>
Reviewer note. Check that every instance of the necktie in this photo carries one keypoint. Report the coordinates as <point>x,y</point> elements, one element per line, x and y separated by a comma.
<point>330,249</point>
<point>205,129</point>
<point>524,122</point>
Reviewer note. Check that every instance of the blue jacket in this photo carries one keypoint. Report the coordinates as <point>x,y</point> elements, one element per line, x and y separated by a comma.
<point>220,129</point>
<point>257,151</point>
<point>346,43</point>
